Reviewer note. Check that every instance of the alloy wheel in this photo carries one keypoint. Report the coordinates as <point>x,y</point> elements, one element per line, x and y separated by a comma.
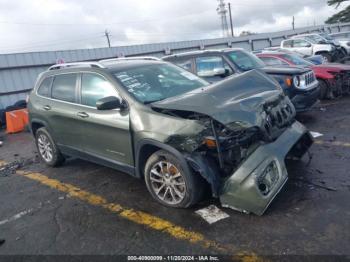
<point>167,182</point>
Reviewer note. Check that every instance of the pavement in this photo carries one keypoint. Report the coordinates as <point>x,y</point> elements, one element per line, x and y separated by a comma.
<point>86,209</point>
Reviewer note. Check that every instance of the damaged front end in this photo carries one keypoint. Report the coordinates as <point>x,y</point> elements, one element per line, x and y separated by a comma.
<point>245,139</point>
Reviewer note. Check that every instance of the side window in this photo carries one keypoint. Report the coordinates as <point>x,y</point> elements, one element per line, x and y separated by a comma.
<point>271,61</point>
<point>185,64</point>
<point>95,87</point>
<point>300,43</point>
<point>44,88</point>
<point>209,65</point>
<point>287,43</point>
<point>63,87</point>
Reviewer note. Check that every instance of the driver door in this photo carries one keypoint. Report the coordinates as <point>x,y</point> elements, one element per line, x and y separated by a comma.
<point>106,133</point>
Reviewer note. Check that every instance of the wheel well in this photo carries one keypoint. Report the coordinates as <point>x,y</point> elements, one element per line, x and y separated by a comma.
<point>35,126</point>
<point>145,152</point>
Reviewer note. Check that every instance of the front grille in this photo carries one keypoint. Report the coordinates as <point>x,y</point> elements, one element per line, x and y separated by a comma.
<point>309,78</point>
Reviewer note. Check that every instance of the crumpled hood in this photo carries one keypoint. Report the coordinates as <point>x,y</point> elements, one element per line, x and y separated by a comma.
<point>240,99</point>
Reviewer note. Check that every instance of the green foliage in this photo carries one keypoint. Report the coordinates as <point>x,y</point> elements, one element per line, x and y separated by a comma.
<point>336,2</point>
<point>340,17</point>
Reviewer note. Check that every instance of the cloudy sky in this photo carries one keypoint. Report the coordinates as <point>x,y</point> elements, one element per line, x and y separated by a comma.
<point>37,25</point>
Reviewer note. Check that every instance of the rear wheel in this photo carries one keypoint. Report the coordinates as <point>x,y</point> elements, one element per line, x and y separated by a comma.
<point>170,183</point>
<point>325,90</point>
<point>48,151</point>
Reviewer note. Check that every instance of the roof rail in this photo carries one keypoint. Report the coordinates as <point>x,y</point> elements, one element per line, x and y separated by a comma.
<point>130,58</point>
<point>77,64</point>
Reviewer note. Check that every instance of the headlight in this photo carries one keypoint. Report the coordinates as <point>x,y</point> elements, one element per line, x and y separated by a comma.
<point>299,81</point>
<point>296,81</point>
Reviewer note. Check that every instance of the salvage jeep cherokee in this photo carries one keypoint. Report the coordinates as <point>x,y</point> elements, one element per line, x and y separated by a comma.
<point>158,122</point>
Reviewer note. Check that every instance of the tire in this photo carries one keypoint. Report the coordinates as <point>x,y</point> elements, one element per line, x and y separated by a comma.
<point>45,143</point>
<point>325,91</point>
<point>189,186</point>
<point>327,58</point>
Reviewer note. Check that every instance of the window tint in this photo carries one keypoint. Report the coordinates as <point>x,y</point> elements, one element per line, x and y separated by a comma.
<point>297,60</point>
<point>245,61</point>
<point>300,43</point>
<point>209,64</point>
<point>287,43</point>
<point>271,61</point>
<point>44,88</point>
<point>95,87</point>
<point>63,87</point>
<point>185,64</point>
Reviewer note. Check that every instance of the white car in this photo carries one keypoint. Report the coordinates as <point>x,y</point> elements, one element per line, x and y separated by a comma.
<point>344,43</point>
<point>309,47</point>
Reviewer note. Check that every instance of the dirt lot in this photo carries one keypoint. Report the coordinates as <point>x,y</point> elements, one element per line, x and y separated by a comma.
<point>83,208</point>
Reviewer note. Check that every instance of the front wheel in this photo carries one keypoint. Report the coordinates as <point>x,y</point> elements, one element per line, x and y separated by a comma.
<point>170,183</point>
<point>48,151</point>
<point>327,58</point>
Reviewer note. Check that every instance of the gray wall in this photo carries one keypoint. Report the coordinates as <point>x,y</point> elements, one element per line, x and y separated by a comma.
<point>19,71</point>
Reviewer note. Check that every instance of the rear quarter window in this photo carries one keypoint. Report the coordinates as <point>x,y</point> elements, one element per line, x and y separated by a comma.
<point>44,88</point>
<point>287,43</point>
<point>63,87</point>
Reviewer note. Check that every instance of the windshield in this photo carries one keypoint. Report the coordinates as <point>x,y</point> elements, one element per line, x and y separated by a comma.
<point>158,81</point>
<point>245,61</point>
<point>316,38</point>
<point>296,60</point>
<point>326,36</point>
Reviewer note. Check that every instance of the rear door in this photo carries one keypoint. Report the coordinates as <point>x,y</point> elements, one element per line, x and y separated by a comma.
<point>61,111</point>
<point>106,133</point>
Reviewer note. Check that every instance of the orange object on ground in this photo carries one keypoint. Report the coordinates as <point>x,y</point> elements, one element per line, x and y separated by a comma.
<point>16,120</point>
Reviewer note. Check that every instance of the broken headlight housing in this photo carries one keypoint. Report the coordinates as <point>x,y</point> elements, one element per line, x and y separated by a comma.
<point>268,179</point>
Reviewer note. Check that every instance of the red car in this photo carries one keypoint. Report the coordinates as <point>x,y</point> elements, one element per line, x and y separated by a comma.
<point>334,79</point>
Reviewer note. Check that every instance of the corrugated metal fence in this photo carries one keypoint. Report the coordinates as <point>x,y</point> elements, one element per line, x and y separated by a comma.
<point>19,71</point>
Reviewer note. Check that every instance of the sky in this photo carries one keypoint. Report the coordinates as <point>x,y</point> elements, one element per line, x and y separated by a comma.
<point>41,25</point>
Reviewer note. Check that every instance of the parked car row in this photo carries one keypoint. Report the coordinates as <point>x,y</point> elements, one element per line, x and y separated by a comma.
<point>299,84</point>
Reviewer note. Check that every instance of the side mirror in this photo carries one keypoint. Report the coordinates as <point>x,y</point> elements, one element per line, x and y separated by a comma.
<point>109,103</point>
<point>308,45</point>
<point>215,72</point>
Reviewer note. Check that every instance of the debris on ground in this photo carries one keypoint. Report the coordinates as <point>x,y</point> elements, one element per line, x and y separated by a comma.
<point>315,134</point>
<point>10,168</point>
<point>2,241</point>
<point>212,214</point>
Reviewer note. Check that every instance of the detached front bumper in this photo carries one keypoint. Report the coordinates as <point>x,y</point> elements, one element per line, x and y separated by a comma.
<point>253,186</point>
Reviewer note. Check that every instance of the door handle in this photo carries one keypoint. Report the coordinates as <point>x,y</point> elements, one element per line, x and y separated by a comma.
<point>82,114</point>
<point>47,107</point>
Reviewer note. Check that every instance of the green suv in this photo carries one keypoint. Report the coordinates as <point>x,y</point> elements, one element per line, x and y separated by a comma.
<point>176,131</point>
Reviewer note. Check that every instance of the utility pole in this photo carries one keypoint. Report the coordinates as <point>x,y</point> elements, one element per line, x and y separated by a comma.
<point>222,12</point>
<point>293,23</point>
<point>229,11</point>
<point>107,36</point>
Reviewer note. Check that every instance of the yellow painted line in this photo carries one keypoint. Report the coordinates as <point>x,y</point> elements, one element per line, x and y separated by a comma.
<point>333,143</point>
<point>140,217</point>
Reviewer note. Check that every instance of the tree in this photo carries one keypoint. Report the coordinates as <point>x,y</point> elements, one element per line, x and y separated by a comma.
<point>340,17</point>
